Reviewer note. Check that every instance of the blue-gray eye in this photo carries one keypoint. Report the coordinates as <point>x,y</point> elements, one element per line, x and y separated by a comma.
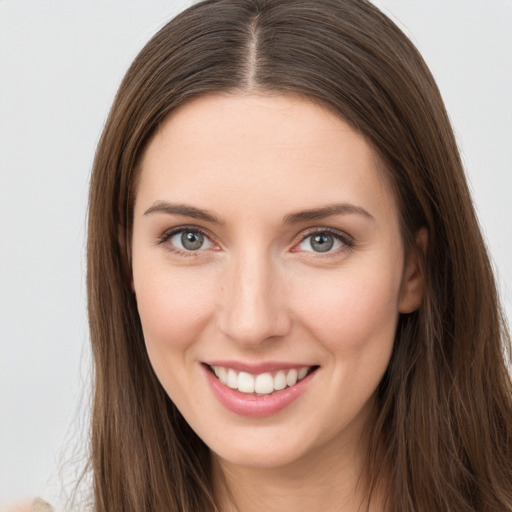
<point>320,242</point>
<point>190,240</point>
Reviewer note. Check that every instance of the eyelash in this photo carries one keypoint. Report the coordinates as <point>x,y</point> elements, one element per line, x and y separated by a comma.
<point>346,241</point>
<point>165,237</point>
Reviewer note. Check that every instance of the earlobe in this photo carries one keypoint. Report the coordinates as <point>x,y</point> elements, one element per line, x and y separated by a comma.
<point>413,281</point>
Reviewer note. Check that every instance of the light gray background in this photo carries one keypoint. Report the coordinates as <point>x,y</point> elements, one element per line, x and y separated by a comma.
<point>60,65</point>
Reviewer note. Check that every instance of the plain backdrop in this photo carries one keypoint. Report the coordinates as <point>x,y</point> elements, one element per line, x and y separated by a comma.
<point>60,65</point>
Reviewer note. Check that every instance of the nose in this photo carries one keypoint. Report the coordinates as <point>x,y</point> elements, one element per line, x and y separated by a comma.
<point>254,306</point>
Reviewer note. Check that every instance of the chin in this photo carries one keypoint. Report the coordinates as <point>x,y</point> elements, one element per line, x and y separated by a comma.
<point>261,458</point>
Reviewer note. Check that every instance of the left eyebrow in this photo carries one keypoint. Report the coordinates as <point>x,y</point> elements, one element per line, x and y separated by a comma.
<point>326,211</point>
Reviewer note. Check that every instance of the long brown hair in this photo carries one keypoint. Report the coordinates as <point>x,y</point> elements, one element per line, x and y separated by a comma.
<point>442,436</point>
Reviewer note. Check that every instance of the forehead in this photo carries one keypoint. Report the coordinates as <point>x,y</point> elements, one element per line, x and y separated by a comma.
<point>277,149</point>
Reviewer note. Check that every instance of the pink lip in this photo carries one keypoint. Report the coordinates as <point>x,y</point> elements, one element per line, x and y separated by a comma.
<point>252,405</point>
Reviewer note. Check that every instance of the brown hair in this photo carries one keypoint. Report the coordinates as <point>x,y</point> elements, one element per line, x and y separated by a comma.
<point>444,415</point>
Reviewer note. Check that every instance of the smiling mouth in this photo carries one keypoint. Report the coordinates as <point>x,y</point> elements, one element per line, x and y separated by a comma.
<point>262,383</point>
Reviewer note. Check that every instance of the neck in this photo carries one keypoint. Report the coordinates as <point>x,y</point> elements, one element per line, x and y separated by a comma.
<point>328,480</point>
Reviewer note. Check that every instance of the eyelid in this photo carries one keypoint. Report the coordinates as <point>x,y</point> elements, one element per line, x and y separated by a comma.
<point>342,236</point>
<point>345,238</point>
<point>169,233</point>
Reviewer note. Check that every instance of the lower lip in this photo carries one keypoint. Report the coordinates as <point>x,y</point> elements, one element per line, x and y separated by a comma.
<point>255,406</point>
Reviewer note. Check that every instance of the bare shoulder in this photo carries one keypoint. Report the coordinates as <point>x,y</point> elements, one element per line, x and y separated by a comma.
<point>37,505</point>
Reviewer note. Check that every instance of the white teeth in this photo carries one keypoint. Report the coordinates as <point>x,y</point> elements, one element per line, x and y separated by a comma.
<point>302,373</point>
<point>291,378</point>
<point>280,380</point>
<point>222,374</point>
<point>245,382</point>
<point>232,379</point>
<point>262,384</point>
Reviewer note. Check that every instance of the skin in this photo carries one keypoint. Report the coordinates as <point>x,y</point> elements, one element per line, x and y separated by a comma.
<point>257,290</point>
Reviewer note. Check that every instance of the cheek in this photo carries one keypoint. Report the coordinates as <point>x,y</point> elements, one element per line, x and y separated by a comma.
<point>356,311</point>
<point>174,307</point>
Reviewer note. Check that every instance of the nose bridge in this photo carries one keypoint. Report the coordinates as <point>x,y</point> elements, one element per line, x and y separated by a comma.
<point>252,306</point>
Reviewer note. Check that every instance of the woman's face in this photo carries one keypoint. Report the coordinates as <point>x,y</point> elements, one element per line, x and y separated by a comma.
<point>266,249</point>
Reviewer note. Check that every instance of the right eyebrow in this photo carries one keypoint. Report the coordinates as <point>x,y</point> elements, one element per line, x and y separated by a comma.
<point>184,210</point>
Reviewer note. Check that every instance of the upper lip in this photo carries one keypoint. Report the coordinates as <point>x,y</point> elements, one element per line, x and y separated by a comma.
<point>257,368</point>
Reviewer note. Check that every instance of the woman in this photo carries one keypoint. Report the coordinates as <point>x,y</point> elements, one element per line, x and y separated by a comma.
<point>290,301</point>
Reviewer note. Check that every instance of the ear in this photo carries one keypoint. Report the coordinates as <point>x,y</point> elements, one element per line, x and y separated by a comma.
<point>127,255</point>
<point>413,282</point>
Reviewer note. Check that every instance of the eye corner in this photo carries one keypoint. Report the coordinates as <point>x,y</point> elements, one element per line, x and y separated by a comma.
<point>335,241</point>
<point>175,241</point>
